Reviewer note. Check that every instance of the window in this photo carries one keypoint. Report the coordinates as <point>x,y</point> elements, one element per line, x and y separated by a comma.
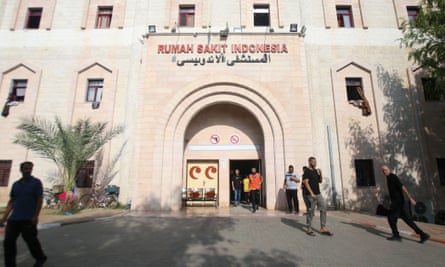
<point>344,17</point>
<point>364,171</point>
<point>94,90</point>
<point>5,171</point>
<point>352,84</point>
<point>104,15</point>
<point>18,91</point>
<point>186,15</point>
<point>431,92</point>
<point>34,17</point>
<point>413,12</point>
<point>261,15</point>
<point>84,177</point>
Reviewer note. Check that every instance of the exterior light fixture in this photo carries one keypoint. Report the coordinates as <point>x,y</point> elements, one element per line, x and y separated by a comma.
<point>303,30</point>
<point>224,33</point>
<point>151,28</point>
<point>95,105</point>
<point>293,27</point>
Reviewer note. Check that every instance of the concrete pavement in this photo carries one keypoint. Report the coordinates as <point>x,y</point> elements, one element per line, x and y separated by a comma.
<point>224,237</point>
<point>49,219</point>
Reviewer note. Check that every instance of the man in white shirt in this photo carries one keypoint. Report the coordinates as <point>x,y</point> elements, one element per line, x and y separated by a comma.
<point>291,181</point>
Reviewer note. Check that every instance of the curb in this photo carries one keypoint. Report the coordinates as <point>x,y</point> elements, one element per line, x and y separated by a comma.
<point>77,221</point>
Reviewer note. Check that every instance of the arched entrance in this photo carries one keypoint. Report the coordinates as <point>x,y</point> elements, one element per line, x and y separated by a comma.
<point>168,168</point>
<point>223,136</point>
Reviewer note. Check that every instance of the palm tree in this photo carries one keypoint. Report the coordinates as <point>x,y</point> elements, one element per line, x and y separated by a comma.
<point>68,146</point>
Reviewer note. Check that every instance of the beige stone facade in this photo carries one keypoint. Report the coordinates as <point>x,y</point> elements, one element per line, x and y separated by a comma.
<point>197,101</point>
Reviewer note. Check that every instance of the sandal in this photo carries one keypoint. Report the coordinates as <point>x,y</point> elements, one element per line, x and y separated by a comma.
<point>311,233</point>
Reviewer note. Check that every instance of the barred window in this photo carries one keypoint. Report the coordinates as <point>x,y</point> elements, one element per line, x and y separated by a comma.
<point>364,170</point>
<point>34,17</point>
<point>187,15</point>
<point>261,15</point>
<point>103,20</point>
<point>94,90</point>
<point>344,17</point>
<point>5,171</point>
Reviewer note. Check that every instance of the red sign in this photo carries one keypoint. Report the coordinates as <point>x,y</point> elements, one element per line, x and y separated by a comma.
<point>214,139</point>
<point>234,139</point>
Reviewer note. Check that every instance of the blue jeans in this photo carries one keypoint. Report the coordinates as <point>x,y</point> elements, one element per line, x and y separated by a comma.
<point>237,196</point>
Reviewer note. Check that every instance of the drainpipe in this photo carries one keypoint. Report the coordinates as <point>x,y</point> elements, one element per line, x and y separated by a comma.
<point>331,165</point>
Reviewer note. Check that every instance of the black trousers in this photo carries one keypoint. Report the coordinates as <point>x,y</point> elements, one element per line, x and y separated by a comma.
<point>255,198</point>
<point>397,211</point>
<point>29,234</point>
<point>291,195</point>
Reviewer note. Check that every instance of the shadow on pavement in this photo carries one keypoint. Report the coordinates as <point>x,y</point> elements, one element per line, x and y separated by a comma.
<point>374,230</point>
<point>294,223</point>
<point>369,229</point>
<point>154,241</point>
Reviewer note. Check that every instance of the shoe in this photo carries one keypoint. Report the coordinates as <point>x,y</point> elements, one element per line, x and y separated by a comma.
<point>253,211</point>
<point>424,237</point>
<point>394,238</point>
<point>39,263</point>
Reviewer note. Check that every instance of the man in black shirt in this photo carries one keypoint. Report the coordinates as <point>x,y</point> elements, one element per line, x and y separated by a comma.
<point>236,187</point>
<point>396,190</point>
<point>312,177</point>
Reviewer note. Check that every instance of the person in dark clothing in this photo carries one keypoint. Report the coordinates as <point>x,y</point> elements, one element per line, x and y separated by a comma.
<point>312,178</point>
<point>306,200</point>
<point>396,190</point>
<point>236,187</point>
<point>25,203</point>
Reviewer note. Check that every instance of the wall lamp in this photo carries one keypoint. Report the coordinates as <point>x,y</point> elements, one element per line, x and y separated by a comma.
<point>224,33</point>
<point>95,105</point>
<point>294,28</point>
<point>151,28</point>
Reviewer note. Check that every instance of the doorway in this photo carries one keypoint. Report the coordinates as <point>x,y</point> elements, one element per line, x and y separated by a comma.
<point>245,167</point>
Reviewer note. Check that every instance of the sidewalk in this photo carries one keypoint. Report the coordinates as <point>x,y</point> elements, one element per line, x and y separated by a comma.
<point>48,219</point>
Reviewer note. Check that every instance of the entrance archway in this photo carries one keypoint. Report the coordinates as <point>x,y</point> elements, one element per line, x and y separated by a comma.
<point>224,133</point>
<point>168,155</point>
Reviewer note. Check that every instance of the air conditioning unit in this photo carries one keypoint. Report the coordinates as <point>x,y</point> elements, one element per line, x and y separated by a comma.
<point>95,105</point>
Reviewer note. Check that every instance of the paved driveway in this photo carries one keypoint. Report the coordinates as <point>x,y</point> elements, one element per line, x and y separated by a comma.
<point>252,240</point>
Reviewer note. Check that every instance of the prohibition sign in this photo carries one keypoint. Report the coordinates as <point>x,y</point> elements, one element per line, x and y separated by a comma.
<point>234,139</point>
<point>214,139</point>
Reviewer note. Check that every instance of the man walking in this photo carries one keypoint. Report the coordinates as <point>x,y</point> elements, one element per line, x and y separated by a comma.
<point>312,177</point>
<point>290,185</point>
<point>25,203</point>
<point>255,181</point>
<point>236,187</point>
<point>396,210</point>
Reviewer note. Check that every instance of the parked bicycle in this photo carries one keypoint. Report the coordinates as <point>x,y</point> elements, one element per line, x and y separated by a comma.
<point>50,199</point>
<point>100,198</point>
